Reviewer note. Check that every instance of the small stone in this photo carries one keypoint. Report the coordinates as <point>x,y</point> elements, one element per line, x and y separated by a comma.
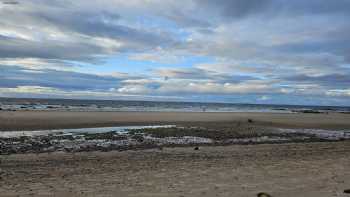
<point>196,148</point>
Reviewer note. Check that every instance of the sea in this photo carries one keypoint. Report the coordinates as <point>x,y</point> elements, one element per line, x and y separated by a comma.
<point>18,104</point>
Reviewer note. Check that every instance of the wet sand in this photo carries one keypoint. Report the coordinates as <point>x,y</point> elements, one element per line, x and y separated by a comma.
<point>313,170</point>
<point>31,120</point>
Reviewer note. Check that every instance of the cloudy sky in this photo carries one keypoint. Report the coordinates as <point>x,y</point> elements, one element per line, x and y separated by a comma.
<point>247,51</point>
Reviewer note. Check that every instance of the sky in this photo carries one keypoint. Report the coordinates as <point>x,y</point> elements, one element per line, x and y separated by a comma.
<point>237,51</point>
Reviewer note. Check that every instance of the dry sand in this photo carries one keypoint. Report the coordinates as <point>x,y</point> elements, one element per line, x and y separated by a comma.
<point>31,120</point>
<point>310,170</point>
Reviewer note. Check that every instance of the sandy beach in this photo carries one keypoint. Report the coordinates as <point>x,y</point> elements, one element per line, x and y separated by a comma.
<point>312,170</point>
<point>296,169</point>
<point>29,120</point>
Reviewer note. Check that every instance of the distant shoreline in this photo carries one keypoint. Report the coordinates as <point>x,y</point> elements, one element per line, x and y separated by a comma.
<point>163,101</point>
<point>36,104</point>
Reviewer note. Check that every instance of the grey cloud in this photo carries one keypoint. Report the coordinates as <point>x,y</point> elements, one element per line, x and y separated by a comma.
<point>187,20</point>
<point>201,74</point>
<point>323,54</point>
<point>182,73</point>
<point>104,24</point>
<point>318,6</point>
<point>20,48</point>
<point>13,76</point>
<point>81,26</point>
<point>331,81</point>
<point>10,2</point>
<point>334,43</point>
<point>237,9</point>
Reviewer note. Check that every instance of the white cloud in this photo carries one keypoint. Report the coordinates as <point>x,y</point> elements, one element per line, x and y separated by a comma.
<point>194,87</point>
<point>44,92</point>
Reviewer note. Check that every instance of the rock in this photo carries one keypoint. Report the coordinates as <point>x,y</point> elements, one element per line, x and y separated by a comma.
<point>139,138</point>
<point>262,194</point>
<point>68,149</point>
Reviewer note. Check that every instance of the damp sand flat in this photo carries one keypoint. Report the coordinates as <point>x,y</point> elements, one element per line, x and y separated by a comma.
<point>313,170</point>
<point>147,137</point>
<point>34,120</point>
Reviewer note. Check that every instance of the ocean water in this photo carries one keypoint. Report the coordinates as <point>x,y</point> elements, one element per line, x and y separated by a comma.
<point>114,105</point>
